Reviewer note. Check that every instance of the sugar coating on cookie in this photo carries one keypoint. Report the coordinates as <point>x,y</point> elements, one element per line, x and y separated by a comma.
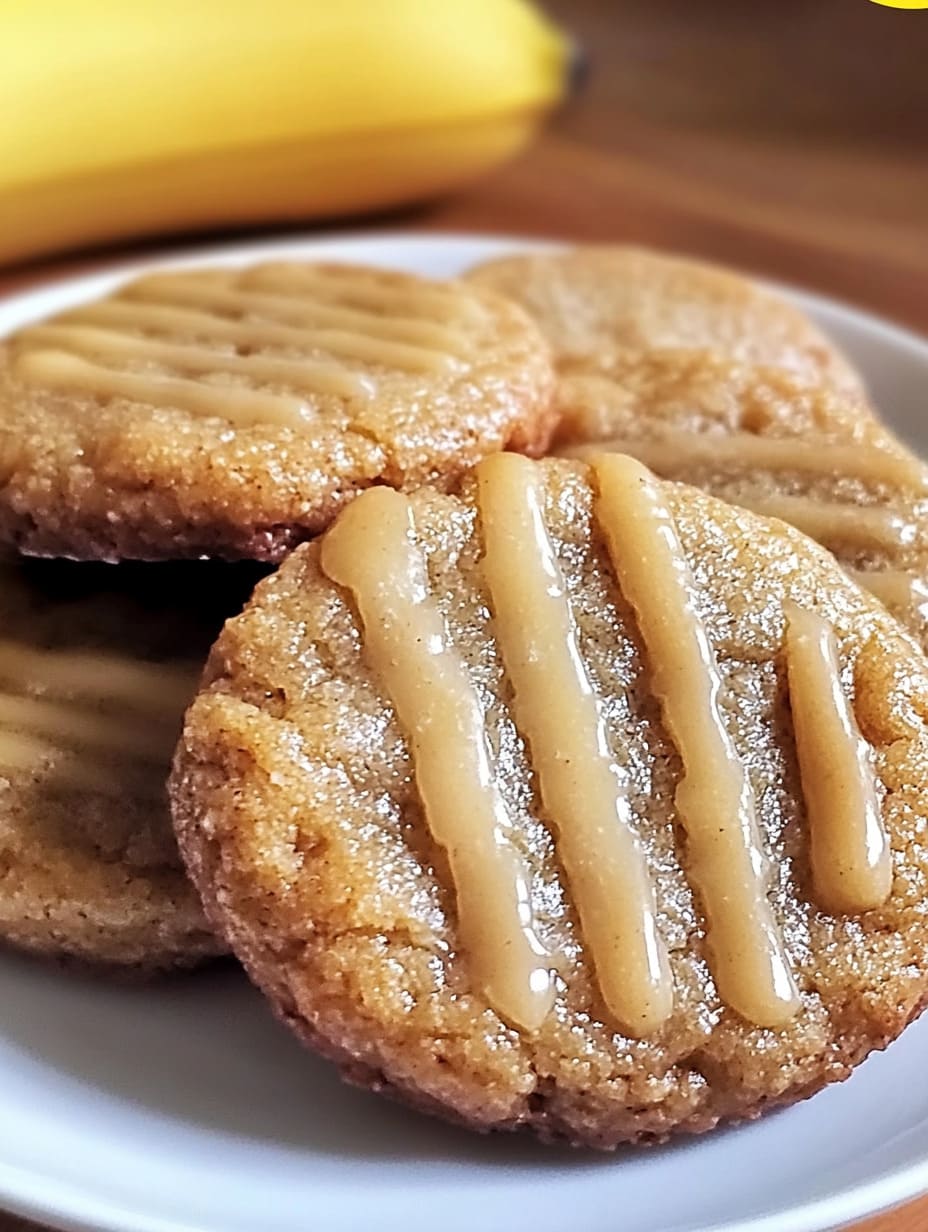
<point>232,413</point>
<point>97,664</point>
<point>579,800</point>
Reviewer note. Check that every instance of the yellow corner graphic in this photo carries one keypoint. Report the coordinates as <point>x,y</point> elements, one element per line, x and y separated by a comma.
<point>903,4</point>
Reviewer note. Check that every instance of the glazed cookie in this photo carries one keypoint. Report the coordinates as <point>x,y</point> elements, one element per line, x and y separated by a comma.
<point>759,437</point>
<point>687,367</point>
<point>232,413</point>
<point>96,666</point>
<point>608,307</point>
<point>580,801</point>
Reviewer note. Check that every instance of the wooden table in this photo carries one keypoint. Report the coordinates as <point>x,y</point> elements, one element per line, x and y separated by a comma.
<point>787,138</point>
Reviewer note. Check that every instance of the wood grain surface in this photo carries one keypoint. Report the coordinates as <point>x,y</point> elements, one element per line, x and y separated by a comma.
<point>787,138</point>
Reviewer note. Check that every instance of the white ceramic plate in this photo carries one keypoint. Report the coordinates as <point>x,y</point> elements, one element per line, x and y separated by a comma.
<point>182,1107</point>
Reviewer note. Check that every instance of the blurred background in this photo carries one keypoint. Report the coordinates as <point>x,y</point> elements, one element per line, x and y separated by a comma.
<point>786,136</point>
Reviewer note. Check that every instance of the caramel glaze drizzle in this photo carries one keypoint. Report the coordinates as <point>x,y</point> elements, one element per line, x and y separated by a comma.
<point>583,791</point>
<point>370,551</point>
<point>835,526</point>
<point>714,799</point>
<point>378,293</point>
<point>109,734</point>
<point>335,315</point>
<point>371,344</point>
<point>56,768</point>
<point>58,369</point>
<point>435,325</point>
<point>156,690</point>
<point>61,736</point>
<point>850,854</point>
<point>897,590</point>
<point>673,451</point>
<point>278,332</point>
<point>112,345</point>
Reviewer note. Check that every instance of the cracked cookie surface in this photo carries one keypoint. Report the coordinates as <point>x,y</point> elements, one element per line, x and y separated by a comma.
<point>308,821</point>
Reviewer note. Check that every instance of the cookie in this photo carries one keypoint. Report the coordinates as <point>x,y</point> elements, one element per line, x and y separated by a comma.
<point>579,801</point>
<point>232,413</point>
<point>609,306</point>
<point>761,438</point>
<point>97,663</point>
<point>686,367</point>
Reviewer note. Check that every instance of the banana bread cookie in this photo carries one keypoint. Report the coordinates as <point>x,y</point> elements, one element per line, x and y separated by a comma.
<point>232,413</point>
<point>578,800</point>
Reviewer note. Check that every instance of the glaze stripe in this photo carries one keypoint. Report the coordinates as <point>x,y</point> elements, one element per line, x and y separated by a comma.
<point>861,527</point>
<point>371,552</point>
<point>70,724</point>
<point>58,769</point>
<point>346,284</point>
<point>365,342</point>
<point>241,406</point>
<point>675,451</point>
<point>111,346</point>
<point>155,690</point>
<point>714,800</point>
<point>583,791</point>
<point>90,721</point>
<point>424,331</point>
<point>851,864</point>
<point>898,590</point>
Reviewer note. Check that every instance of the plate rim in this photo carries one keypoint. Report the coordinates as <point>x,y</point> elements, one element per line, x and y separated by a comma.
<point>32,1195</point>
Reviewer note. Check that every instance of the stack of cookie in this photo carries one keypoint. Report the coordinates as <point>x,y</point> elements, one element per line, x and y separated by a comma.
<point>546,793</point>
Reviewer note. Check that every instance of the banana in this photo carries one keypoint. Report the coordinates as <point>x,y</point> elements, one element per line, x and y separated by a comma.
<point>122,119</point>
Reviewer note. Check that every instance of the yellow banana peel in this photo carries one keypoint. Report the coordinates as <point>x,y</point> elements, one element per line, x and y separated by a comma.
<point>130,118</point>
